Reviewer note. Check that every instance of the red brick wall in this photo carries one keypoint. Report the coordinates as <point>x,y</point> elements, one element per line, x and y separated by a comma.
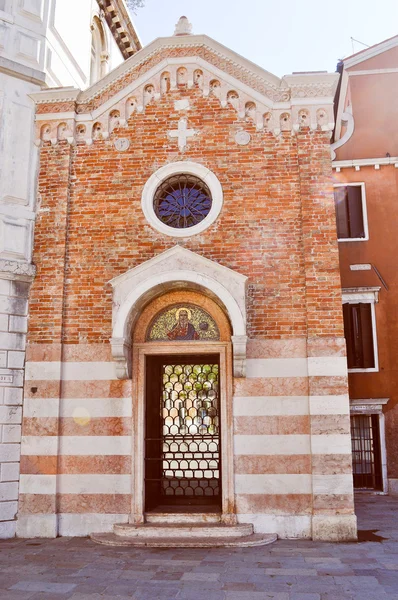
<point>277,225</point>
<point>47,297</point>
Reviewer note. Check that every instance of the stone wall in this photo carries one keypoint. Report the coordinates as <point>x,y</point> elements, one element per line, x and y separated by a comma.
<point>18,164</point>
<point>42,44</point>
<point>13,327</point>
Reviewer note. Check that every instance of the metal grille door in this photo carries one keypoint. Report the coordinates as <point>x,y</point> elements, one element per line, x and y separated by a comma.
<point>188,457</point>
<point>366,461</point>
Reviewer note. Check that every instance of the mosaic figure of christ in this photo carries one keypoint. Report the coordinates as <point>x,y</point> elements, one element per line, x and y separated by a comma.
<point>183,329</point>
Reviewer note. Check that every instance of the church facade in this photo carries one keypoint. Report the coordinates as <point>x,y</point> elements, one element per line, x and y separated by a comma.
<point>186,346</point>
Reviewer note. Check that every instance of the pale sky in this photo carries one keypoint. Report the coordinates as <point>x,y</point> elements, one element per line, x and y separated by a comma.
<point>280,36</point>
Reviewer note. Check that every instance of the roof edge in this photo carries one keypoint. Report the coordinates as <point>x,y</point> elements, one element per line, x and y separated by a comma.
<point>175,41</point>
<point>370,52</point>
<point>121,26</point>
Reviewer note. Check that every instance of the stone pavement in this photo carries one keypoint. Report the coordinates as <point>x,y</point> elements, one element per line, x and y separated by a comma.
<point>78,569</point>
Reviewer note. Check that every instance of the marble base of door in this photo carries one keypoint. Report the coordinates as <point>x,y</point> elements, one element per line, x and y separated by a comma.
<point>167,518</point>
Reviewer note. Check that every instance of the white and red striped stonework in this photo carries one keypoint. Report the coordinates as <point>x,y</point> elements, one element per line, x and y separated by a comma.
<point>292,438</point>
<point>269,263</point>
<point>292,447</point>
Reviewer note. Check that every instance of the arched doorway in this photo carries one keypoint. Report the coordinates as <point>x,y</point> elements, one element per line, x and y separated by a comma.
<point>182,408</point>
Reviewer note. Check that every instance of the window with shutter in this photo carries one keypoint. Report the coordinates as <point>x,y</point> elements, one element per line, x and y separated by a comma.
<point>358,331</point>
<point>350,212</point>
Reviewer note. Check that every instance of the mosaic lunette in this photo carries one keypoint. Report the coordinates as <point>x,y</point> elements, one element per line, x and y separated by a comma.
<point>183,322</point>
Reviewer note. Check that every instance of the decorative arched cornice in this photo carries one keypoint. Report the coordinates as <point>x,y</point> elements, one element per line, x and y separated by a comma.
<point>177,267</point>
<point>182,62</point>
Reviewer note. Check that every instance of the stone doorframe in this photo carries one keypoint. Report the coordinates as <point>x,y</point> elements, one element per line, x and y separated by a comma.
<point>139,354</point>
<point>374,406</point>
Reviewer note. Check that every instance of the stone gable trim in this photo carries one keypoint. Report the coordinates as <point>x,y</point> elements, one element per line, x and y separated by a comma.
<point>302,100</point>
<point>66,121</point>
<point>199,45</point>
<point>278,90</point>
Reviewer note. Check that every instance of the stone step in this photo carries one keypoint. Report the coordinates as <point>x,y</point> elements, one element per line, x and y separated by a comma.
<point>183,530</point>
<point>256,539</point>
<point>182,518</point>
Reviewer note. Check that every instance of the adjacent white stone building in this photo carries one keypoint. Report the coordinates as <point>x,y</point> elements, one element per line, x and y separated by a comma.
<point>43,43</point>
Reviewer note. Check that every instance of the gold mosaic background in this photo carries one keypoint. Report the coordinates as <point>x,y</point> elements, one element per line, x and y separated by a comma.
<point>164,322</point>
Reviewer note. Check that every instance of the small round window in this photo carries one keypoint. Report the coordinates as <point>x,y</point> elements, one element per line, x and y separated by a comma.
<point>182,201</point>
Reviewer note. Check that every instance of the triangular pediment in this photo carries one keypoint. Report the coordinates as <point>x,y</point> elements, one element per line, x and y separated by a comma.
<point>199,49</point>
<point>176,259</point>
<point>174,63</point>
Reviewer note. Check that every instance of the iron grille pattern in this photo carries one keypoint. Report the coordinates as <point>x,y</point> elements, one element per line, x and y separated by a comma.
<point>366,463</point>
<point>182,201</point>
<point>191,440</point>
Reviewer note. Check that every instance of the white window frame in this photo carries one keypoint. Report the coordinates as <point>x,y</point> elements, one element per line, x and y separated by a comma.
<point>365,295</point>
<point>98,67</point>
<point>185,167</point>
<point>364,211</point>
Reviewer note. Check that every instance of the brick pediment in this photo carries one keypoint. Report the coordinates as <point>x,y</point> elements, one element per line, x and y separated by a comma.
<point>173,64</point>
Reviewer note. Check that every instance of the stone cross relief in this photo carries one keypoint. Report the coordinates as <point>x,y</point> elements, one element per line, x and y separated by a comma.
<point>182,133</point>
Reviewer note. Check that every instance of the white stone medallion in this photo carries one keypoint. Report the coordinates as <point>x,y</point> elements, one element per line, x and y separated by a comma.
<point>242,138</point>
<point>122,144</point>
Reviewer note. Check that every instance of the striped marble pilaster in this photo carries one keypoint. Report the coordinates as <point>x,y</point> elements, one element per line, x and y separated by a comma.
<point>76,444</point>
<point>333,494</point>
<point>273,482</point>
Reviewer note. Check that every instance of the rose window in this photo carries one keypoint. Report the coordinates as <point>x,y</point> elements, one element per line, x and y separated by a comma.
<point>182,201</point>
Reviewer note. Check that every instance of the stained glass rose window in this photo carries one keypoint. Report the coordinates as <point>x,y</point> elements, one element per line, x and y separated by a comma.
<point>182,201</point>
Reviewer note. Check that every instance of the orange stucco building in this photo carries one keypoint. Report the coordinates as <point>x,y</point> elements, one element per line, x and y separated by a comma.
<point>366,189</point>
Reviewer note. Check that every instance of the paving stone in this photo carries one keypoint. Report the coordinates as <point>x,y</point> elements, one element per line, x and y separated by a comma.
<point>257,596</point>
<point>80,596</point>
<point>91,587</point>
<point>15,595</point>
<point>50,596</point>
<point>324,560</point>
<point>200,577</point>
<point>144,594</point>
<point>137,575</point>
<point>339,596</point>
<point>239,587</point>
<point>305,596</point>
<point>288,570</point>
<point>44,586</point>
<point>193,595</point>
